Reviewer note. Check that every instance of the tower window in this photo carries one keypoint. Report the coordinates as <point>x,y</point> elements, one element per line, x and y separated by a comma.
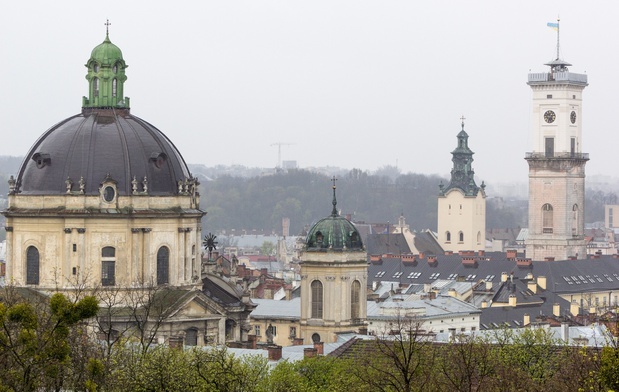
<point>32,265</point>
<point>478,237</point>
<point>448,236</point>
<point>355,294</point>
<point>547,218</point>
<point>163,265</point>
<point>114,82</point>
<point>550,147</point>
<point>461,236</point>
<point>108,266</point>
<point>316,308</point>
<point>95,87</point>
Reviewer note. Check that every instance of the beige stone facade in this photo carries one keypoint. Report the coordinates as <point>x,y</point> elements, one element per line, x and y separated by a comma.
<point>462,221</point>
<point>333,294</point>
<point>70,233</point>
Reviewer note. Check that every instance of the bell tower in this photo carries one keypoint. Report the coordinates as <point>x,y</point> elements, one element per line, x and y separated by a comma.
<point>462,204</point>
<point>556,163</point>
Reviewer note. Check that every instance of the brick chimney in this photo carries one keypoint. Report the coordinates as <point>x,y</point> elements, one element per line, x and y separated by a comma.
<point>175,342</point>
<point>309,352</point>
<point>275,353</point>
<point>320,347</point>
<point>297,342</point>
<point>251,339</point>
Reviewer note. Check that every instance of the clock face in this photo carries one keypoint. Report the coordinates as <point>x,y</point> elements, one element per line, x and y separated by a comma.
<point>573,117</point>
<point>549,116</point>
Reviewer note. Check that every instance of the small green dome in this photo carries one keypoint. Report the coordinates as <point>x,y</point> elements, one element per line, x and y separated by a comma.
<point>106,53</point>
<point>333,232</point>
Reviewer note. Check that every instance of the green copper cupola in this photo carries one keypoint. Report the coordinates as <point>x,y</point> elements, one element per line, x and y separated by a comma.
<point>106,77</point>
<point>462,174</point>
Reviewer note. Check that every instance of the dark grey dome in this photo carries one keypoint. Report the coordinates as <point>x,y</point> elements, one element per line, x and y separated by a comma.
<point>98,142</point>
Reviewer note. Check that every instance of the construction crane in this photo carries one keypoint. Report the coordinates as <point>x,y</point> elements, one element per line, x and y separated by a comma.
<point>279,152</point>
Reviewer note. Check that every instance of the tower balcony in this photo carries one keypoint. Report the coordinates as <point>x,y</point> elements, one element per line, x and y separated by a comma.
<point>563,77</point>
<point>557,155</point>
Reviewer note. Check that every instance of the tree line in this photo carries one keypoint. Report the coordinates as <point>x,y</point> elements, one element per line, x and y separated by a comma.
<point>50,345</point>
<point>260,202</point>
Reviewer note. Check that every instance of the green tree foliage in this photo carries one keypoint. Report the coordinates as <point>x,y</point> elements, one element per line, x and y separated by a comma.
<point>164,369</point>
<point>304,197</point>
<point>318,374</point>
<point>267,248</point>
<point>36,337</point>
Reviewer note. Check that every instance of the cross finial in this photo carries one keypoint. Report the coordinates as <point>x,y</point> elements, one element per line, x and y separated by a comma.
<point>462,119</point>
<point>107,26</point>
<point>334,212</point>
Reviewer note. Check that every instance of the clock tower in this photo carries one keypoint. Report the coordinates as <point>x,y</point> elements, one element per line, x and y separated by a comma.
<point>556,164</point>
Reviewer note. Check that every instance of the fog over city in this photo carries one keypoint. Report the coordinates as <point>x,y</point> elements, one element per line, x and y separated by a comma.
<point>354,84</point>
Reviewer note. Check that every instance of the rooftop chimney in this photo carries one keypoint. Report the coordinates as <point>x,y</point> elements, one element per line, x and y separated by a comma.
<point>526,319</point>
<point>532,286</point>
<point>309,352</point>
<point>541,282</point>
<point>512,300</point>
<point>556,310</point>
<point>275,353</point>
<point>319,346</point>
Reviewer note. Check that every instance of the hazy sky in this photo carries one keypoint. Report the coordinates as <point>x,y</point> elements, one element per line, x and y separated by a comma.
<point>350,83</point>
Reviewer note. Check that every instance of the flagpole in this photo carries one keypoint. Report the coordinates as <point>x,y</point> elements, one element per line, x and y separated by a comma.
<point>558,38</point>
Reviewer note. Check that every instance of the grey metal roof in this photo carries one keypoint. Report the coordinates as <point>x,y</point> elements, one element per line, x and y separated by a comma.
<point>98,142</point>
<point>424,308</point>
<point>270,308</point>
<point>569,276</point>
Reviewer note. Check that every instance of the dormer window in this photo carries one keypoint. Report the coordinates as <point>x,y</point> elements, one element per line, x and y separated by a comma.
<point>319,237</point>
<point>115,68</point>
<point>95,67</point>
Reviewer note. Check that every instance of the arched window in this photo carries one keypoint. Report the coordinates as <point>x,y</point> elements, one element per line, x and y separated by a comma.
<point>108,266</point>
<point>163,265</point>
<point>114,87</point>
<point>461,236</point>
<point>315,338</point>
<point>355,297</point>
<point>547,218</point>
<point>191,337</point>
<point>95,87</point>
<point>448,236</point>
<point>32,265</point>
<point>316,299</point>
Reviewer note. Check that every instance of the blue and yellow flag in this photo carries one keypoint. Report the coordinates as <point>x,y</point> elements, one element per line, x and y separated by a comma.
<point>554,26</point>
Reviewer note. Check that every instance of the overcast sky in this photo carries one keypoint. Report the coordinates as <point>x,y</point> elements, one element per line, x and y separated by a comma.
<point>349,83</point>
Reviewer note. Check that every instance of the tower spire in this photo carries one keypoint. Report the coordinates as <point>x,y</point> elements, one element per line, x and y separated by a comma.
<point>107,29</point>
<point>334,212</point>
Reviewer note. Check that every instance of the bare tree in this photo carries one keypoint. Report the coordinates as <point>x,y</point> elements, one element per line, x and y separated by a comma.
<point>401,359</point>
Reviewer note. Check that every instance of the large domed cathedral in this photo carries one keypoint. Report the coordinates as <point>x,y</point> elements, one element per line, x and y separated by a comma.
<point>103,197</point>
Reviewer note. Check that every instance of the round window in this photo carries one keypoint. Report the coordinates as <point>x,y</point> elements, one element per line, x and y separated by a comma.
<point>108,193</point>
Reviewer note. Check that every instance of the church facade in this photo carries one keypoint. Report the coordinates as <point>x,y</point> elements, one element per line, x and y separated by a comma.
<point>333,280</point>
<point>105,201</point>
<point>462,204</point>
